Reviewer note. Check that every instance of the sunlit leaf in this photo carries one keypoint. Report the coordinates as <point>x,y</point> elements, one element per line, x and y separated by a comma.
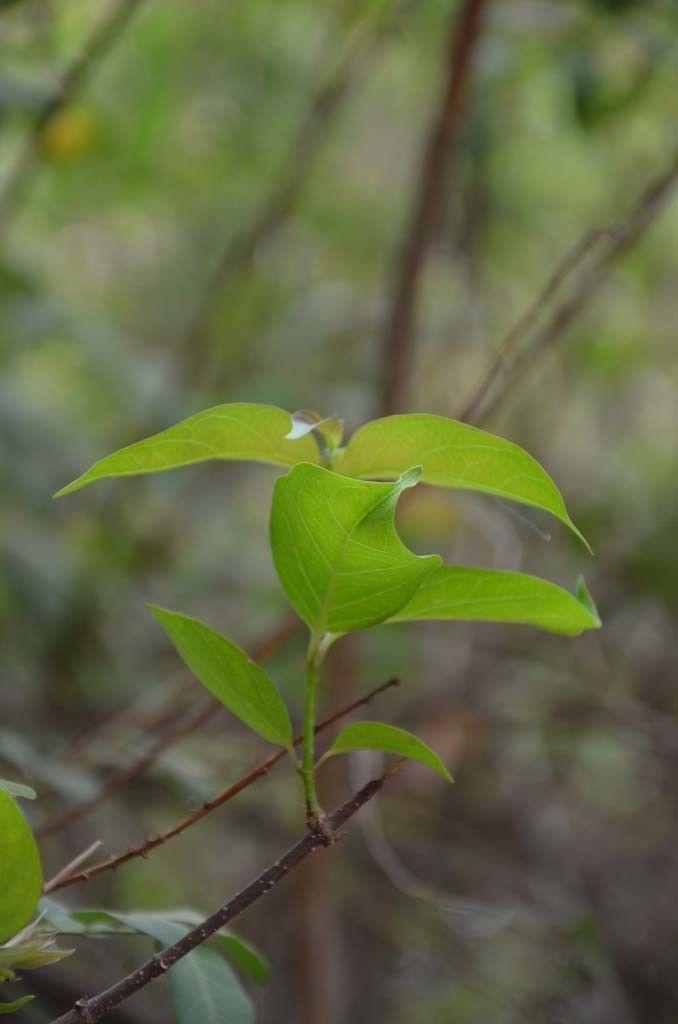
<point>389,739</point>
<point>451,454</point>
<point>20,869</point>
<point>339,558</point>
<point>238,431</point>
<point>493,595</point>
<point>240,684</point>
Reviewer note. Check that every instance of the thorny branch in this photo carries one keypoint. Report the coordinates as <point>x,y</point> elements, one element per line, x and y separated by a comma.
<point>94,1008</point>
<point>67,877</point>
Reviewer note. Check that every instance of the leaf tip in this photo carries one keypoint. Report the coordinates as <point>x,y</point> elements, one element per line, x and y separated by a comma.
<point>68,489</point>
<point>585,598</point>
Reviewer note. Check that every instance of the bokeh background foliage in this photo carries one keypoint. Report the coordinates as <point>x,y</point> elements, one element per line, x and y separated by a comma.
<point>134,291</point>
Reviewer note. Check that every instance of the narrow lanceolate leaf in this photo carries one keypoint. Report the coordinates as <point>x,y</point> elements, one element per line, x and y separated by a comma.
<point>493,595</point>
<point>20,870</point>
<point>339,558</point>
<point>389,739</point>
<point>238,431</point>
<point>202,985</point>
<point>451,454</point>
<point>241,685</point>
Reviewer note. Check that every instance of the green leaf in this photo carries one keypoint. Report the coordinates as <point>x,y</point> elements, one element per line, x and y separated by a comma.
<point>336,550</point>
<point>239,952</point>
<point>493,595</point>
<point>16,1005</point>
<point>202,985</point>
<point>20,870</point>
<point>101,922</point>
<point>60,918</point>
<point>18,789</point>
<point>452,454</point>
<point>390,739</point>
<point>237,431</point>
<point>245,956</point>
<point>234,679</point>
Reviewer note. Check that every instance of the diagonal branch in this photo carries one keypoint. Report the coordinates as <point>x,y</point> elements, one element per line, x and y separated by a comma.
<point>73,80</point>
<point>511,343</point>
<point>205,710</point>
<point>94,1008</point>
<point>440,143</point>
<point>514,360</point>
<point>69,876</point>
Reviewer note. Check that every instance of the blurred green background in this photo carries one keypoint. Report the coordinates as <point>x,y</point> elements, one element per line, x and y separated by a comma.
<point>183,232</point>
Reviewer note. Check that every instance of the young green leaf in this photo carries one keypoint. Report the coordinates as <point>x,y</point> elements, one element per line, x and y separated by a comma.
<point>451,454</point>
<point>493,595</point>
<point>234,679</point>
<point>20,869</point>
<point>388,738</point>
<point>237,431</point>
<point>336,550</point>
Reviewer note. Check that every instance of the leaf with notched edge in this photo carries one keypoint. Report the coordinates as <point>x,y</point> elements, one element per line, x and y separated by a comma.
<point>336,550</point>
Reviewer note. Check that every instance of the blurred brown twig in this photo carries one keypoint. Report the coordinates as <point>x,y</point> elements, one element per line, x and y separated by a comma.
<point>439,144</point>
<point>606,245</point>
<point>287,188</point>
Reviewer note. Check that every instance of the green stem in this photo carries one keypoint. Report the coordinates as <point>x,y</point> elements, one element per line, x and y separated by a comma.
<point>307,770</point>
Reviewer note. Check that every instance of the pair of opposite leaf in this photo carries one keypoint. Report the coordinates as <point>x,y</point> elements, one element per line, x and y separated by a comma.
<point>339,558</point>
